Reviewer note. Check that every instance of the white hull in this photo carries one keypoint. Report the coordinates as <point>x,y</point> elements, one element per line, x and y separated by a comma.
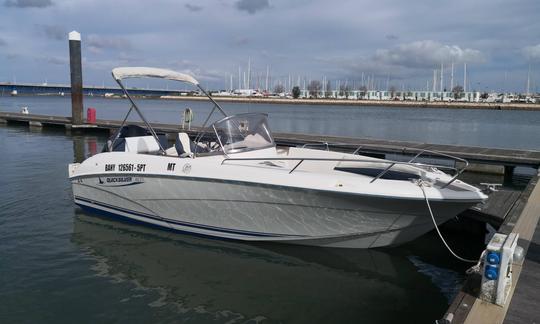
<point>261,212</point>
<point>241,186</point>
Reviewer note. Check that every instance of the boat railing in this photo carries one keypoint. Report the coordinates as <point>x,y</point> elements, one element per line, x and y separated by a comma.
<point>456,171</point>
<point>338,145</point>
<point>405,150</point>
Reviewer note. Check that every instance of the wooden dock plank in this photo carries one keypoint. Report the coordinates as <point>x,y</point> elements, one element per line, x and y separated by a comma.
<point>524,306</point>
<point>523,219</point>
<point>496,208</point>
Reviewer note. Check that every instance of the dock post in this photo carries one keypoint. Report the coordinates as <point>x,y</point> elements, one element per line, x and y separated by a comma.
<point>76,78</point>
<point>508,173</point>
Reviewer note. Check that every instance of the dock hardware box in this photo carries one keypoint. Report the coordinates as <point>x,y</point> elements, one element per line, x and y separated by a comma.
<point>497,268</point>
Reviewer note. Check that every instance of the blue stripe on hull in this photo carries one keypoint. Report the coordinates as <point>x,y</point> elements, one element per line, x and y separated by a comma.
<point>186,224</point>
<point>122,218</point>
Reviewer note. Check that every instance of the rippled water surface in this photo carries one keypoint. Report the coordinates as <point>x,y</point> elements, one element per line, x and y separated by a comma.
<point>486,128</point>
<point>58,264</point>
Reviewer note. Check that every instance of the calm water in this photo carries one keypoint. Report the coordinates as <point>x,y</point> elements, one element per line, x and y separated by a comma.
<point>58,264</point>
<point>486,128</point>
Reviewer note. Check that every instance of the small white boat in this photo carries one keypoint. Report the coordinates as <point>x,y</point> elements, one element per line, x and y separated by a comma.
<point>24,110</point>
<point>235,183</point>
<point>14,93</point>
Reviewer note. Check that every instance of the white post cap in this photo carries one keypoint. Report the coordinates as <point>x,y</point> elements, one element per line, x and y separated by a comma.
<point>75,36</point>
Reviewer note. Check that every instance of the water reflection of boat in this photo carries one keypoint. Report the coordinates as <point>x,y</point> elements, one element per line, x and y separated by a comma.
<point>279,283</point>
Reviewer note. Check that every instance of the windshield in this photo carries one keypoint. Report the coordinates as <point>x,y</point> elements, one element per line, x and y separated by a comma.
<point>243,132</point>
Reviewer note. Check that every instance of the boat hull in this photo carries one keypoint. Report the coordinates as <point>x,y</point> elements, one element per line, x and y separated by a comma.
<point>255,212</point>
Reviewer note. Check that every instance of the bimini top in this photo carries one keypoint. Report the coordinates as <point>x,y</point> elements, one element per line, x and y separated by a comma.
<point>121,73</point>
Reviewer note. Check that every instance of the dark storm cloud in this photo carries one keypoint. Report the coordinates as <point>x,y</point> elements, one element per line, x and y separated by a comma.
<point>53,32</point>
<point>28,3</point>
<point>252,6</point>
<point>192,7</point>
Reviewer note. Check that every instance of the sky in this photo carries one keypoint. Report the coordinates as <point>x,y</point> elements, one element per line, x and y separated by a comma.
<point>393,42</point>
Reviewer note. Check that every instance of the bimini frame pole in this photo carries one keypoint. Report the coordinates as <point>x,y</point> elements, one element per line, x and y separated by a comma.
<point>213,101</point>
<point>216,105</point>
<point>140,114</point>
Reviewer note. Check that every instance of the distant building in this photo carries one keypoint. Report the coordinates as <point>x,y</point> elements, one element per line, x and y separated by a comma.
<point>444,96</point>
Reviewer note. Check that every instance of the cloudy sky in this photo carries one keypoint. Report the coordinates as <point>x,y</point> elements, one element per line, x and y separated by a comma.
<point>397,42</point>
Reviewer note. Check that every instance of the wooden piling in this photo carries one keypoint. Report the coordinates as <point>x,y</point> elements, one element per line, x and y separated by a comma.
<point>508,173</point>
<point>75,66</point>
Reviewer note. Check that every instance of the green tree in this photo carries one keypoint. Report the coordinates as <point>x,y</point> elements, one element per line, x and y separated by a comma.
<point>344,90</point>
<point>363,91</point>
<point>279,88</point>
<point>392,92</point>
<point>457,91</point>
<point>314,87</point>
<point>296,92</point>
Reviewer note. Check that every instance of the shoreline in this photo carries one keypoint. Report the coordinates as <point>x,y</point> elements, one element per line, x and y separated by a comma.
<point>386,103</point>
<point>341,102</point>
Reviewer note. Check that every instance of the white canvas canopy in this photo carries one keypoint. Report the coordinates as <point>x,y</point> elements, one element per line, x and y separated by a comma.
<point>121,73</point>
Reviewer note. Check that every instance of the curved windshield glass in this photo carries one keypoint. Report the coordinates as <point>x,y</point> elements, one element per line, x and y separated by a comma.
<point>243,132</point>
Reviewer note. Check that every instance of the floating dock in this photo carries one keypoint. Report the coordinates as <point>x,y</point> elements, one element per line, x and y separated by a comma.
<point>507,158</point>
<point>509,211</point>
<point>522,303</point>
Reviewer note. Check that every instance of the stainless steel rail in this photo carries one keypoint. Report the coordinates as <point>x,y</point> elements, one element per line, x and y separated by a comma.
<point>300,160</point>
<point>404,151</point>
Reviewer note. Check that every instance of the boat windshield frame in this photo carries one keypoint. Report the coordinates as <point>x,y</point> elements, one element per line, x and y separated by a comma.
<point>229,129</point>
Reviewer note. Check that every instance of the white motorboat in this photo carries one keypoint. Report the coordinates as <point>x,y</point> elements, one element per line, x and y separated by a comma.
<point>235,183</point>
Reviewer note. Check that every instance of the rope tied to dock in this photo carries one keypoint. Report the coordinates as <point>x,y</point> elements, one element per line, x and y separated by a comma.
<point>421,184</point>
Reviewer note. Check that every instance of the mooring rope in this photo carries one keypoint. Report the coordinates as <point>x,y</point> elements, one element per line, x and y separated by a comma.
<point>421,185</point>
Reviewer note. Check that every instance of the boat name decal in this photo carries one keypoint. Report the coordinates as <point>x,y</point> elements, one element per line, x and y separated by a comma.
<point>120,181</point>
<point>129,167</point>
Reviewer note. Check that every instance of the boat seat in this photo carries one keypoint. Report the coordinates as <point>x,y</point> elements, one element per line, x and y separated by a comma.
<point>171,151</point>
<point>141,144</point>
<point>183,145</point>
